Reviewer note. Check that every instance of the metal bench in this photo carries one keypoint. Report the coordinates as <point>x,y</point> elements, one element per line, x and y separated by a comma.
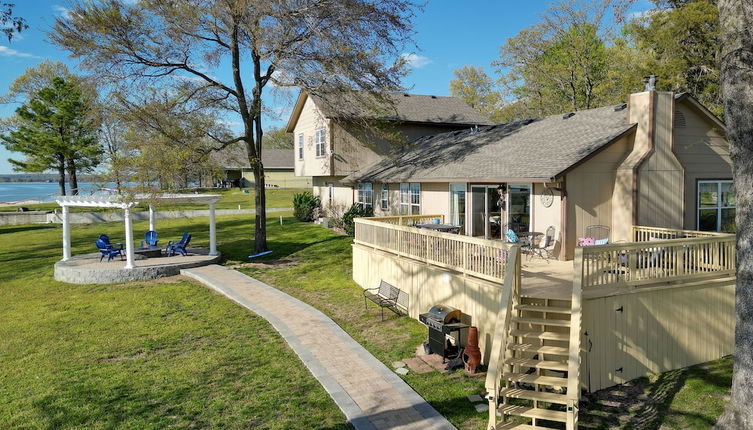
<point>387,296</point>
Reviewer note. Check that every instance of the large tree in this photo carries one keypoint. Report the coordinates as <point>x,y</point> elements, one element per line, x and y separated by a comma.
<point>736,22</point>
<point>475,87</point>
<point>679,42</point>
<point>54,130</point>
<point>559,64</point>
<point>318,45</point>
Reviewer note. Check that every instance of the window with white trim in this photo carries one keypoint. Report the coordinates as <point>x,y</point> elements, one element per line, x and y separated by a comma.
<point>410,198</point>
<point>384,200</point>
<point>300,146</point>
<point>364,195</point>
<point>716,206</point>
<point>320,136</point>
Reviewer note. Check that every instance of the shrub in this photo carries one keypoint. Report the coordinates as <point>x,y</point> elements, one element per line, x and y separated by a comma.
<point>305,205</point>
<point>355,211</point>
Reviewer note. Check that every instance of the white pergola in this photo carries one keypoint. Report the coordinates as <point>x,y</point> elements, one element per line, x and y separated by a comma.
<point>119,202</point>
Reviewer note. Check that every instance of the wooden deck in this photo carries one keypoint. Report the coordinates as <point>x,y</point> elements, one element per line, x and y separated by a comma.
<point>552,280</point>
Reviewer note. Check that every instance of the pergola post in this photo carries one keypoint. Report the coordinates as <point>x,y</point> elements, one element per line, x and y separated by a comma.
<point>151,218</point>
<point>128,238</point>
<point>66,235</point>
<point>212,230</point>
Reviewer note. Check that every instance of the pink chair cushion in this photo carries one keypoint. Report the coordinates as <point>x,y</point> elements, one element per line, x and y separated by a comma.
<point>586,241</point>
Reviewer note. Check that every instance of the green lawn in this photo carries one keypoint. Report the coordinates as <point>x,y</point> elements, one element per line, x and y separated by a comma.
<point>231,199</point>
<point>170,353</point>
<point>142,355</point>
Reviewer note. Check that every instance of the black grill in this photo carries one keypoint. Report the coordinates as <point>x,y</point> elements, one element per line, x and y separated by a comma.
<point>442,320</point>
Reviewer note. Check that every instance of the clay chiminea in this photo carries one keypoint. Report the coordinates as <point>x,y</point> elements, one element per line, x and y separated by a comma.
<point>472,354</point>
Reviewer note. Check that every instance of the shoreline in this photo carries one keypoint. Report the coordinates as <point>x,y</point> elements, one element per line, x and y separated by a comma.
<point>21,203</point>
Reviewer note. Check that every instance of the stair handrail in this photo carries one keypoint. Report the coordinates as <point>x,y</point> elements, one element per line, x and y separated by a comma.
<point>509,297</point>
<point>573,360</point>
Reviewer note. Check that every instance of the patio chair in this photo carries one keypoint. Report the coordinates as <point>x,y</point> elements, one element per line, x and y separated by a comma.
<point>179,247</point>
<point>108,250</point>
<point>599,233</point>
<point>106,239</point>
<point>150,239</point>
<point>544,246</point>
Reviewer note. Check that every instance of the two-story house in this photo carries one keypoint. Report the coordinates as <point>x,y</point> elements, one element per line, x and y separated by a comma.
<point>331,142</point>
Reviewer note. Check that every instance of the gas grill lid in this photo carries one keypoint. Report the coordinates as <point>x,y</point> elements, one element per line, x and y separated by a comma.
<point>444,314</point>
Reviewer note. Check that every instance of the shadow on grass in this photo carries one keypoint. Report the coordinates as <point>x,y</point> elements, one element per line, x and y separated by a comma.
<point>32,227</point>
<point>653,404</point>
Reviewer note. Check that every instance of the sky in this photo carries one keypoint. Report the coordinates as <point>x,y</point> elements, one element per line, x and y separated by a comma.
<point>449,35</point>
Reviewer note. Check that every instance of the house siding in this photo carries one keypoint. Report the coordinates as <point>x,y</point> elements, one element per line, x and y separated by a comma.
<point>590,187</point>
<point>310,120</point>
<point>703,150</point>
<point>543,217</point>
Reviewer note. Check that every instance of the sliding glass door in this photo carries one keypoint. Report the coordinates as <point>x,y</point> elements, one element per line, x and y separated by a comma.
<point>519,206</point>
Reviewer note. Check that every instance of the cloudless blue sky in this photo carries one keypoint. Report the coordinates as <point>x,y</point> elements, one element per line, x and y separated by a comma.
<point>449,34</point>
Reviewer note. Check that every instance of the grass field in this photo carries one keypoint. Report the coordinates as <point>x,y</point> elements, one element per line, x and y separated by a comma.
<point>231,198</point>
<point>142,355</point>
<point>170,353</point>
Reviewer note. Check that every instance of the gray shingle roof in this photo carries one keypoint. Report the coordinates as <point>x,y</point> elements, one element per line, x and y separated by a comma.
<point>406,108</point>
<point>234,157</point>
<point>531,149</point>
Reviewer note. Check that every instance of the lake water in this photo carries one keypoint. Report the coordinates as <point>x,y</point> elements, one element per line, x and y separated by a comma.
<point>44,191</point>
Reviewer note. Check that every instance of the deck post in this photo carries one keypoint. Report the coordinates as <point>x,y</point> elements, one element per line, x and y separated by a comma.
<point>128,238</point>
<point>151,218</point>
<point>66,235</point>
<point>212,230</point>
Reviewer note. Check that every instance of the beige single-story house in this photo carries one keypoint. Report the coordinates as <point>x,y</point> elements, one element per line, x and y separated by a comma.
<point>279,168</point>
<point>657,294</point>
<point>660,160</point>
<point>331,143</point>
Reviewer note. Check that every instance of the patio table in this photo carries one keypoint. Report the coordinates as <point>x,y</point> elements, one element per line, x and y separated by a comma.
<point>445,228</point>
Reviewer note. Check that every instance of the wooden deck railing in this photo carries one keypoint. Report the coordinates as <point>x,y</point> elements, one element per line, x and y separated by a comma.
<point>657,261</point>
<point>472,256</point>
<point>408,219</point>
<point>644,234</point>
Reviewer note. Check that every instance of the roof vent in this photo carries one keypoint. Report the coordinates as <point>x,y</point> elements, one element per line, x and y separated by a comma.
<point>433,97</point>
<point>680,119</point>
<point>406,95</point>
<point>568,115</point>
<point>620,107</point>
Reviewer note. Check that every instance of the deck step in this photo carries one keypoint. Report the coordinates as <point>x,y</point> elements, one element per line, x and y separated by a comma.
<point>528,347</point>
<point>545,335</point>
<point>538,364</point>
<point>529,378</point>
<point>550,309</point>
<point>517,426</point>
<point>541,396</point>
<point>528,412</point>
<point>542,321</point>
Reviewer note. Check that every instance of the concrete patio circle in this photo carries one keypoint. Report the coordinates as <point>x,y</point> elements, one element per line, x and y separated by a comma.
<point>86,269</point>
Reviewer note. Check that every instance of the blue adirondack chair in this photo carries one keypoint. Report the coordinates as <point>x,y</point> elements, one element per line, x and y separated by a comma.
<point>108,250</point>
<point>106,239</point>
<point>150,239</point>
<point>180,246</point>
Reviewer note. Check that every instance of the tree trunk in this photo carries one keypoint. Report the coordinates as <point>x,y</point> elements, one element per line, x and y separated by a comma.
<point>72,178</point>
<point>260,233</point>
<point>736,21</point>
<point>61,174</point>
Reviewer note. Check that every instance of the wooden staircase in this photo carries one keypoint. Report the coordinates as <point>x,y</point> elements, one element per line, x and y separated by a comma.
<point>533,377</point>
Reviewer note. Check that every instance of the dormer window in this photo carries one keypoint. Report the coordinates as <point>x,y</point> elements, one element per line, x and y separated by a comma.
<point>320,136</point>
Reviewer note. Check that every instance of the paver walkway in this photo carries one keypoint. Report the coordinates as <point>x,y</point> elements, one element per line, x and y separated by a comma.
<point>370,395</point>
